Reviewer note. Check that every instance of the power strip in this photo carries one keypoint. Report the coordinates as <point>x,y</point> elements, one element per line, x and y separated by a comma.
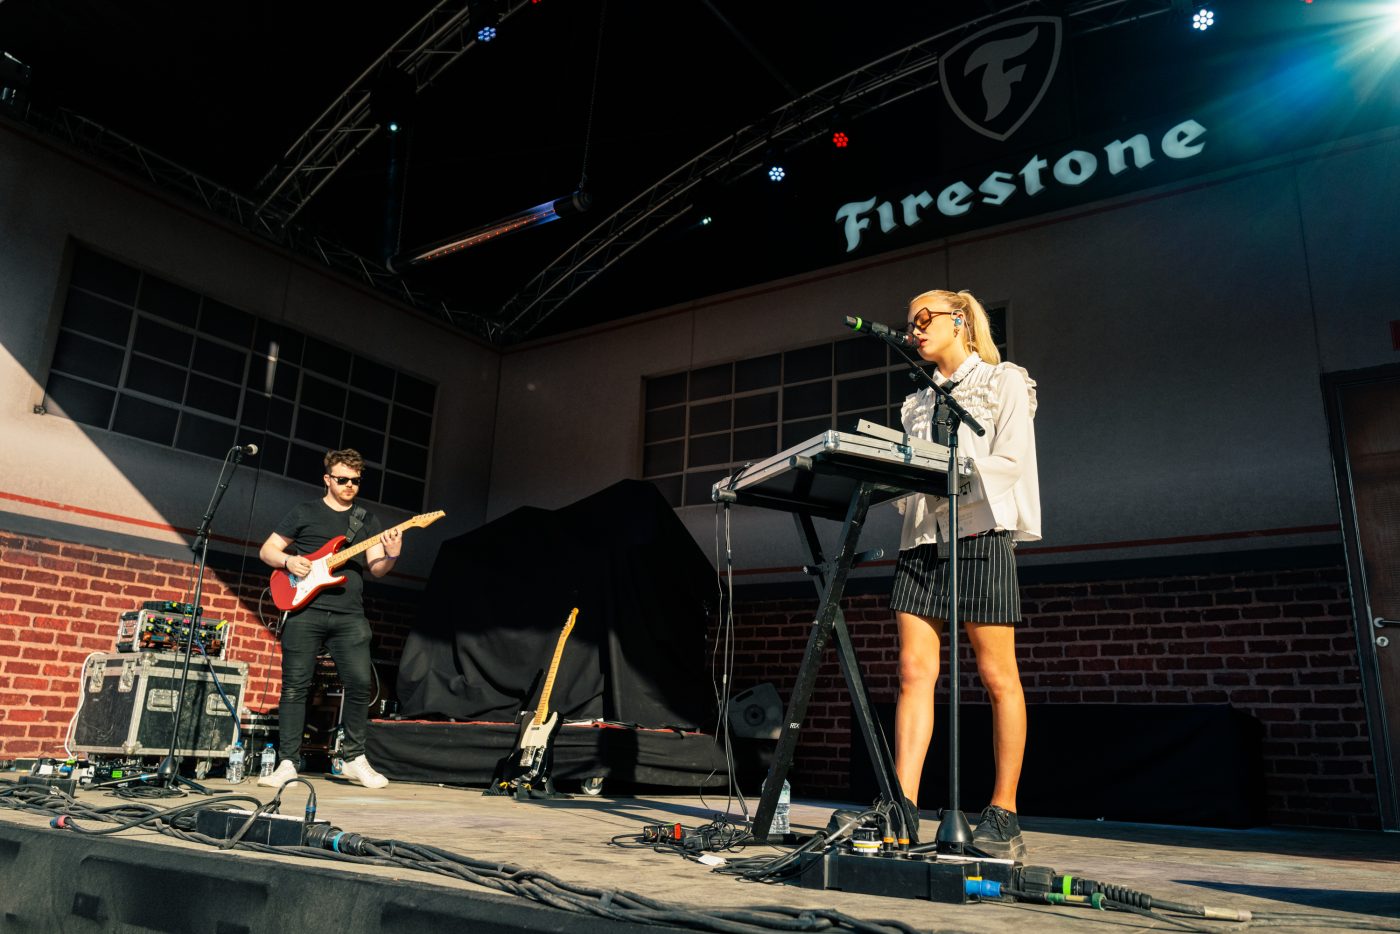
<point>268,829</point>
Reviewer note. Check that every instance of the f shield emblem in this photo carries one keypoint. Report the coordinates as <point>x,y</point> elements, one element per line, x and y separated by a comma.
<point>994,79</point>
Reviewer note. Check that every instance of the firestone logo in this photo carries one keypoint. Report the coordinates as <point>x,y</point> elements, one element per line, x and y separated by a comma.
<point>994,79</point>
<point>1074,168</point>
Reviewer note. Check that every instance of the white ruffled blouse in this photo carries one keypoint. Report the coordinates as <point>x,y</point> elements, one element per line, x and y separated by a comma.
<point>1005,488</point>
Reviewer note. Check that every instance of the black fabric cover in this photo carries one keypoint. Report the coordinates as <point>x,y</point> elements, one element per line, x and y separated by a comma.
<point>1198,764</point>
<point>498,598</point>
<point>467,753</point>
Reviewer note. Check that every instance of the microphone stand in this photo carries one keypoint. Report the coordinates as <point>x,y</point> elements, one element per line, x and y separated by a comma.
<point>954,832</point>
<point>168,773</point>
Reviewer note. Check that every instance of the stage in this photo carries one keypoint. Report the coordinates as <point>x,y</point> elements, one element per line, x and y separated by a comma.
<point>139,880</point>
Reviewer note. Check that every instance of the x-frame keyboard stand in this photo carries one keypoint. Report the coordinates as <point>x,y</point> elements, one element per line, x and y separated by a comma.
<point>870,481</point>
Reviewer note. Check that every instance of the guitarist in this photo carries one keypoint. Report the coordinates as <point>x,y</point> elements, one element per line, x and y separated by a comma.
<point>335,619</point>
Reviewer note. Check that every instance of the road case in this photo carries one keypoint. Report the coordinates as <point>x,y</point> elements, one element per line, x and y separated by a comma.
<point>127,704</point>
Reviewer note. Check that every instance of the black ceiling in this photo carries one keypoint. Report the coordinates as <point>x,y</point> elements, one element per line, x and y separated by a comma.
<point>223,89</point>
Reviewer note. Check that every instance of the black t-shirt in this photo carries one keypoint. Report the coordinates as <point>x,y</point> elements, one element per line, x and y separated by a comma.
<point>309,526</point>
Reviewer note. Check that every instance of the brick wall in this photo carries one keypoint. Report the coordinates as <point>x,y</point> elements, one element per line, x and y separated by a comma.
<point>60,602</point>
<point>1275,644</point>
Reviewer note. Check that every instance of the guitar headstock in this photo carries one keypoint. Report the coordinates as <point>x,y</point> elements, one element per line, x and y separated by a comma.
<point>569,626</point>
<point>425,520</point>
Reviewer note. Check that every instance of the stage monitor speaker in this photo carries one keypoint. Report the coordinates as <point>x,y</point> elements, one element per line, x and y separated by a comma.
<point>756,713</point>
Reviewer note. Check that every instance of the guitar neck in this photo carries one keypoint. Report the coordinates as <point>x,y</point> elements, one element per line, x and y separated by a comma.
<point>542,714</point>
<point>340,557</point>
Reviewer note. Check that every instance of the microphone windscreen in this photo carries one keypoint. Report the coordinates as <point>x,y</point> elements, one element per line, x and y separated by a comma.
<point>271,368</point>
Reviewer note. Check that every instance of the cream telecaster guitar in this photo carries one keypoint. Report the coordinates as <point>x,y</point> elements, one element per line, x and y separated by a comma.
<point>539,732</point>
<point>290,592</point>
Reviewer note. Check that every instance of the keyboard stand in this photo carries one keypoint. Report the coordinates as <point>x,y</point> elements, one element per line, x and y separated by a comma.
<point>827,460</point>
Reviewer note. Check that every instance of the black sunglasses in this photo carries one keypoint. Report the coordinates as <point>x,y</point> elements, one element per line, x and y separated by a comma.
<point>344,480</point>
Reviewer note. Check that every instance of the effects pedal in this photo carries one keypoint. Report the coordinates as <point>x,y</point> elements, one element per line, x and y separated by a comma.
<point>118,772</point>
<point>693,839</point>
<point>663,833</point>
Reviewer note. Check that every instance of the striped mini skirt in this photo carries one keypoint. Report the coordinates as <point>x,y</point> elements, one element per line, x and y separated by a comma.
<point>987,588</point>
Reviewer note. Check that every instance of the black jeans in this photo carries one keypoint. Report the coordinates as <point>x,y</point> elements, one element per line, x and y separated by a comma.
<point>346,636</point>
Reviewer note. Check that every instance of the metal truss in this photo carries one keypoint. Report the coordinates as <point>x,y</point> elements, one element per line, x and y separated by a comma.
<point>165,174</point>
<point>862,91</point>
<point>423,53</point>
<point>433,45</point>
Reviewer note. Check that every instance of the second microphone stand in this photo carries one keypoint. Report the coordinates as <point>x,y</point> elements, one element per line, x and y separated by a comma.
<point>168,773</point>
<point>954,832</point>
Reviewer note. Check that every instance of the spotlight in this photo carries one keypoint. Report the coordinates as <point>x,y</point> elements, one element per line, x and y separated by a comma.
<point>706,221</point>
<point>575,203</point>
<point>15,76</point>
<point>840,140</point>
<point>1203,20</point>
<point>486,33</point>
<point>393,126</point>
<point>776,173</point>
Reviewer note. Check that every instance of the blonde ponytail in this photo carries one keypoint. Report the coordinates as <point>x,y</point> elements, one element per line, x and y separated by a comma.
<point>979,332</point>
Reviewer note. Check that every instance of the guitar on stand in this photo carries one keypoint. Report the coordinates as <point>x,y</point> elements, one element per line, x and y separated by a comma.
<point>290,592</point>
<point>527,772</point>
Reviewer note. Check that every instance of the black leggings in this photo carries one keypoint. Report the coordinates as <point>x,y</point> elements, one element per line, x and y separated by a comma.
<point>346,636</point>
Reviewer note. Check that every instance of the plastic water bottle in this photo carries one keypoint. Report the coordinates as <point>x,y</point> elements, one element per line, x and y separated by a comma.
<point>234,772</point>
<point>268,761</point>
<point>780,823</point>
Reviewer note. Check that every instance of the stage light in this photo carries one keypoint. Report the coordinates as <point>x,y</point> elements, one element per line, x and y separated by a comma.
<point>393,126</point>
<point>575,203</point>
<point>706,221</point>
<point>486,33</point>
<point>1203,20</point>
<point>776,173</point>
<point>840,140</point>
<point>15,76</point>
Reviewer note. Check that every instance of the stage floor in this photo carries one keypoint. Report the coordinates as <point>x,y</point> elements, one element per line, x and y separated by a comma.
<point>1350,876</point>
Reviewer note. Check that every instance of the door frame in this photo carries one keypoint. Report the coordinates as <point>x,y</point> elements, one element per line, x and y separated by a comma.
<point>1378,727</point>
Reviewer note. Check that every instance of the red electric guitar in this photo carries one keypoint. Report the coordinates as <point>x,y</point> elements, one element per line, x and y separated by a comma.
<point>290,592</point>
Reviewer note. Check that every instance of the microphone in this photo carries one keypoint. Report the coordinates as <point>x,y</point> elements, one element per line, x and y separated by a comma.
<point>875,329</point>
<point>271,373</point>
<point>247,449</point>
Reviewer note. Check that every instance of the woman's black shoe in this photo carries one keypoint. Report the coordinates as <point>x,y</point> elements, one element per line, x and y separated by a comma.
<point>998,834</point>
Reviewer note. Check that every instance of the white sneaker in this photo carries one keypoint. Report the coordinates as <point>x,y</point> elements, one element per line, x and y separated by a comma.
<point>284,773</point>
<point>360,771</point>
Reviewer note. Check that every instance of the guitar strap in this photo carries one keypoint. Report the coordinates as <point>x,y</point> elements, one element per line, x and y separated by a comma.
<point>357,522</point>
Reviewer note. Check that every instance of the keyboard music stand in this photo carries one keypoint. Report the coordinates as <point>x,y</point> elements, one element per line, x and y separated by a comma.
<point>836,476</point>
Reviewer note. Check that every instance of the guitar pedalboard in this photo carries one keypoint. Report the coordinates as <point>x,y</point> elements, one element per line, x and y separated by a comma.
<point>165,626</point>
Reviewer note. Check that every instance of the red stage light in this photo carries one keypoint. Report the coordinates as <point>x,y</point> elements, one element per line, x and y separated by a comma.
<point>840,140</point>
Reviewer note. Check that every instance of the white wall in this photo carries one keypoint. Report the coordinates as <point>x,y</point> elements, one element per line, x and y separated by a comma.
<point>1172,334</point>
<point>50,198</point>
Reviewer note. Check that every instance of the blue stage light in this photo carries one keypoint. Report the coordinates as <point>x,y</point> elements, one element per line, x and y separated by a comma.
<point>393,126</point>
<point>776,173</point>
<point>486,33</point>
<point>1203,20</point>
